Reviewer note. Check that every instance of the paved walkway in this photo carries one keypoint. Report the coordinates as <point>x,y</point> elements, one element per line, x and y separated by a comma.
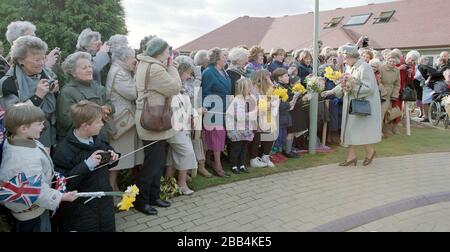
<point>306,199</point>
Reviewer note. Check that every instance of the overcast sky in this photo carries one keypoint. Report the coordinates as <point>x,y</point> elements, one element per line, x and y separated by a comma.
<point>181,21</point>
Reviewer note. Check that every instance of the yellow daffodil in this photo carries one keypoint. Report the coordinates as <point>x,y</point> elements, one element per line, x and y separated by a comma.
<point>133,190</point>
<point>282,93</point>
<point>126,203</point>
<point>329,71</point>
<point>299,88</point>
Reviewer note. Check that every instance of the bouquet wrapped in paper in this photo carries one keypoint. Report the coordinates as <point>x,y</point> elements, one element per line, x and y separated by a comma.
<point>315,84</point>
<point>347,83</point>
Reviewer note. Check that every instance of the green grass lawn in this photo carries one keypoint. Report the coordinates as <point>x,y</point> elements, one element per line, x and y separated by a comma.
<point>422,140</point>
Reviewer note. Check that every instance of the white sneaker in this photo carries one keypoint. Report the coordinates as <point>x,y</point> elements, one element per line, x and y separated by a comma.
<point>266,159</point>
<point>257,163</point>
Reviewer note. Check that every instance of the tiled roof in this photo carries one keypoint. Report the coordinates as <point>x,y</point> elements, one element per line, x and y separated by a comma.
<point>415,24</point>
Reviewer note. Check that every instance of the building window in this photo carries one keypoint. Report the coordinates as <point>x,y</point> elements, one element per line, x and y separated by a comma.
<point>358,19</point>
<point>333,23</point>
<point>384,17</point>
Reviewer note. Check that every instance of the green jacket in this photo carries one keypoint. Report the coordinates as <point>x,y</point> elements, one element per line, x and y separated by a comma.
<point>72,93</point>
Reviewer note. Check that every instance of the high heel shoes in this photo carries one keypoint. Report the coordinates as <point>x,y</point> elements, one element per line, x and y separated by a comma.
<point>348,163</point>
<point>368,161</point>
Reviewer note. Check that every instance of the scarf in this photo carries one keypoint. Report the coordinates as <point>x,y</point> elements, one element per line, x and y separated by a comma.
<point>237,69</point>
<point>27,88</point>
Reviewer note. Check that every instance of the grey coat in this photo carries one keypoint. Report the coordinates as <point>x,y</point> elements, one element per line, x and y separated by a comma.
<point>361,130</point>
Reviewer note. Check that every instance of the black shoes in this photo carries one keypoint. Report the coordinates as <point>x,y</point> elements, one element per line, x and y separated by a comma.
<point>160,203</point>
<point>291,155</point>
<point>146,209</point>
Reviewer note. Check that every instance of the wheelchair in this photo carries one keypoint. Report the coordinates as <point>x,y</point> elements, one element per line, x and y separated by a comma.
<point>436,112</point>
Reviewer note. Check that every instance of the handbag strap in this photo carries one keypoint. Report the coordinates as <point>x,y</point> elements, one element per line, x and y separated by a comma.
<point>359,90</point>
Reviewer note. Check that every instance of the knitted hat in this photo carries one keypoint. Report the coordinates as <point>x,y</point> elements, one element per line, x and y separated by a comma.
<point>155,47</point>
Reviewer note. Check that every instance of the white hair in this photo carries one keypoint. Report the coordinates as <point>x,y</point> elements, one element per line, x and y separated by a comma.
<point>415,55</point>
<point>18,29</point>
<point>24,44</point>
<point>184,60</point>
<point>237,54</point>
<point>117,42</point>
<point>123,53</point>
<point>86,37</point>
<point>201,58</point>
<point>70,64</point>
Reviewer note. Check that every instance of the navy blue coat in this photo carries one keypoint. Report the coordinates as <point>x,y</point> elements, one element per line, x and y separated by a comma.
<point>304,71</point>
<point>274,65</point>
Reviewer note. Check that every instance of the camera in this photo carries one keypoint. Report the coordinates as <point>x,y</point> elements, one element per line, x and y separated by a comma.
<point>106,157</point>
<point>365,41</point>
<point>51,85</point>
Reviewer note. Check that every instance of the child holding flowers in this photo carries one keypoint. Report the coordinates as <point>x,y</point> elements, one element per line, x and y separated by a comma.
<point>287,105</point>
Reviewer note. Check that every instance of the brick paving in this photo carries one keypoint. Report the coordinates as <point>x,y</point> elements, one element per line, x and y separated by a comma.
<point>305,199</point>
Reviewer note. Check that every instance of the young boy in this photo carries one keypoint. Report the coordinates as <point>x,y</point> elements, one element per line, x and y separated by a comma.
<point>286,125</point>
<point>79,154</point>
<point>22,153</point>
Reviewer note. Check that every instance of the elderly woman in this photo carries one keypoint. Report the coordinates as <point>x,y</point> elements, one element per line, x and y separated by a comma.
<point>157,80</point>
<point>78,67</point>
<point>359,130</point>
<point>121,91</point>
<point>18,29</point>
<point>216,87</point>
<point>191,87</point>
<point>423,75</point>
<point>181,155</point>
<point>117,42</point>
<point>201,59</point>
<point>390,77</point>
<point>367,55</point>
<point>91,42</point>
<point>385,99</point>
<point>256,61</point>
<point>29,81</point>
<point>236,70</point>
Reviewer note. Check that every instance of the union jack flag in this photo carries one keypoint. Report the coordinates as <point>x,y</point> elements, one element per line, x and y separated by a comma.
<point>21,189</point>
<point>60,182</point>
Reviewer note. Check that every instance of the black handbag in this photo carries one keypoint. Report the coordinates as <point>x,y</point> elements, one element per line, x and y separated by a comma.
<point>360,107</point>
<point>409,94</point>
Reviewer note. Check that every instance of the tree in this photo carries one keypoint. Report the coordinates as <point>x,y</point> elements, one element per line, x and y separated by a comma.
<point>59,22</point>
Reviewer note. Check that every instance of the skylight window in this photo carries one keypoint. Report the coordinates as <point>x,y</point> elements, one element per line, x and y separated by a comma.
<point>333,23</point>
<point>358,19</point>
<point>384,17</point>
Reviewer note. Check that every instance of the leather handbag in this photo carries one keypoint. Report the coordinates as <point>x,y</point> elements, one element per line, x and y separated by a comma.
<point>393,113</point>
<point>156,117</point>
<point>360,107</point>
<point>409,94</point>
<point>119,124</point>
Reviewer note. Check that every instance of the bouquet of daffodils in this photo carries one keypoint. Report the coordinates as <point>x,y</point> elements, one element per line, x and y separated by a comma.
<point>315,84</point>
<point>282,93</point>
<point>332,75</point>
<point>299,88</point>
<point>347,82</point>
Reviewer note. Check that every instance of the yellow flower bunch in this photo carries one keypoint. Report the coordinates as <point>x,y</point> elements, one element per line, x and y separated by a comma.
<point>128,198</point>
<point>299,88</point>
<point>282,93</point>
<point>332,75</point>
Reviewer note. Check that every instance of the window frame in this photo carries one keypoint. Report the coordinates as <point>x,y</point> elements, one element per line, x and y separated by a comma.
<point>331,24</point>
<point>365,22</point>
<point>377,19</point>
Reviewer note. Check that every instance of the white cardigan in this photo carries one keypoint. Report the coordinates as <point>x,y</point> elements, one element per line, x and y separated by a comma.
<point>31,158</point>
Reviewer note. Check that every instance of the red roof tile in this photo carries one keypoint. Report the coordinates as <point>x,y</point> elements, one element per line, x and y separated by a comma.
<point>415,24</point>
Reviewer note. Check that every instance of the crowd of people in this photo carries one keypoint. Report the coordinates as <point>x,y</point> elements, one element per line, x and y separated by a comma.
<point>184,111</point>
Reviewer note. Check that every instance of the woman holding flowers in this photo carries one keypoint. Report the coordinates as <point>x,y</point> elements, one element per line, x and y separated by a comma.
<point>358,82</point>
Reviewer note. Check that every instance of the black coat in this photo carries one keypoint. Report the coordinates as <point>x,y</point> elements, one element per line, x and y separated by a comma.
<point>98,214</point>
<point>234,76</point>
